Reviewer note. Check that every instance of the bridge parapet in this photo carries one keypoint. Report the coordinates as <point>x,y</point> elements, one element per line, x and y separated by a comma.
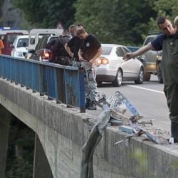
<point>65,84</point>
<point>63,131</point>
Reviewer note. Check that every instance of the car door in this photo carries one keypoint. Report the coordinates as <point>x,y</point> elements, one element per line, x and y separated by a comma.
<point>125,65</point>
<point>130,67</point>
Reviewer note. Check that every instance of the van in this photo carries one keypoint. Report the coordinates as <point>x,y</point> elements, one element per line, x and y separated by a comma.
<point>36,35</point>
<point>8,37</point>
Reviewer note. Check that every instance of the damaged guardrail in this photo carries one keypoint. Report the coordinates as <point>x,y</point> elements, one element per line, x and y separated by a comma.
<point>114,109</point>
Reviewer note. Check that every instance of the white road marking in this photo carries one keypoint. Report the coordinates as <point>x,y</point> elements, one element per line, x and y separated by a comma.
<point>161,92</point>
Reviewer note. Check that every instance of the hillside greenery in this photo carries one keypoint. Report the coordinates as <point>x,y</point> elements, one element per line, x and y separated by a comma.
<point>20,151</point>
<point>114,21</point>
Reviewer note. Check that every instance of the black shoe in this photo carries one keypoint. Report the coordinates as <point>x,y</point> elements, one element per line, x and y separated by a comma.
<point>87,104</point>
<point>174,132</point>
<point>92,105</point>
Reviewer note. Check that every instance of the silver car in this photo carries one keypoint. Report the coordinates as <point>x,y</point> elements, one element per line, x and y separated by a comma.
<point>112,67</point>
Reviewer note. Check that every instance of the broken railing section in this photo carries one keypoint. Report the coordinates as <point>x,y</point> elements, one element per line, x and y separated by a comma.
<point>118,105</point>
<point>114,109</point>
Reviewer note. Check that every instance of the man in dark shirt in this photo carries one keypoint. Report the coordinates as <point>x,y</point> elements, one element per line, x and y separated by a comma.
<point>168,42</point>
<point>56,46</point>
<point>73,45</point>
<point>89,51</point>
<point>62,57</point>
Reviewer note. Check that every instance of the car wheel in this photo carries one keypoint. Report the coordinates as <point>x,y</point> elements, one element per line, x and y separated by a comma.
<point>159,74</point>
<point>118,80</point>
<point>147,76</point>
<point>140,77</point>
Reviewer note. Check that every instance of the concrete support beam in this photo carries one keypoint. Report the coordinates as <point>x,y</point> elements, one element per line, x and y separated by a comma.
<point>5,116</point>
<point>41,168</point>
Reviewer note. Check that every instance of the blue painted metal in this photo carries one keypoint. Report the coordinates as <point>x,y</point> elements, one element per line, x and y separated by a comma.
<point>51,81</point>
<point>70,83</point>
<point>65,84</point>
<point>81,89</point>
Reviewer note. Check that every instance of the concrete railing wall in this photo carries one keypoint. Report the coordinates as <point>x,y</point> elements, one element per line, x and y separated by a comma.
<point>62,132</point>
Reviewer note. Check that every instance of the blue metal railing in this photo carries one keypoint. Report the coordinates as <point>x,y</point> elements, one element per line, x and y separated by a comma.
<point>65,84</point>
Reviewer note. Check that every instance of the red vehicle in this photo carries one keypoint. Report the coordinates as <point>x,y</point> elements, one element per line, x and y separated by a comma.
<point>8,37</point>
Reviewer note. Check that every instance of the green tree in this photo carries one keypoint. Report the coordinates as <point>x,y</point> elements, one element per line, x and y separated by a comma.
<point>115,21</point>
<point>164,8</point>
<point>20,151</point>
<point>47,13</point>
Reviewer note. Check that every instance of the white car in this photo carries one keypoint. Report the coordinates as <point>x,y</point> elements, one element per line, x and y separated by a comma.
<point>112,67</point>
<point>20,46</point>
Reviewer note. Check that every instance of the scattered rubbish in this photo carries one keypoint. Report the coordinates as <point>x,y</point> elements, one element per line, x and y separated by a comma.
<point>118,105</point>
<point>126,129</point>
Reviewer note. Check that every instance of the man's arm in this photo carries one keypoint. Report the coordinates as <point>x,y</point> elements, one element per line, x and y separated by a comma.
<point>140,51</point>
<point>80,55</point>
<point>68,50</point>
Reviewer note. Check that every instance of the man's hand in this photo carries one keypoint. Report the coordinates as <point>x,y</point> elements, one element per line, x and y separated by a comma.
<point>91,62</point>
<point>128,56</point>
<point>81,58</point>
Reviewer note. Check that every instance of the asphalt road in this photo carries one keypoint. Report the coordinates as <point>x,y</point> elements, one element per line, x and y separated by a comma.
<point>148,98</point>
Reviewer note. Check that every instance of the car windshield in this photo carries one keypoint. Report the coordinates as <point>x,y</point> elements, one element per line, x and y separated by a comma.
<point>106,50</point>
<point>22,42</point>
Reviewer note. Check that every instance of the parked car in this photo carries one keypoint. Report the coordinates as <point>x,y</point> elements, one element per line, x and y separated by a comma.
<point>8,36</point>
<point>40,53</point>
<point>133,48</point>
<point>152,60</point>
<point>20,45</point>
<point>112,67</point>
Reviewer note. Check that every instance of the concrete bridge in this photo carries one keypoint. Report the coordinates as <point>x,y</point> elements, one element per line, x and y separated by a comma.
<point>61,131</point>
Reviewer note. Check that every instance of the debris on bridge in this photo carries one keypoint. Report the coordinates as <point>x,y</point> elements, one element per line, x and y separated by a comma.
<point>114,113</point>
<point>131,124</point>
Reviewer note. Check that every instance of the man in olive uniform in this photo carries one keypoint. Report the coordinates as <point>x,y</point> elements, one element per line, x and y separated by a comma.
<point>168,42</point>
<point>89,51</point>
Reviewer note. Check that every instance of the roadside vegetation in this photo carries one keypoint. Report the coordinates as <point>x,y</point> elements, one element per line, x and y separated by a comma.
<point>115,21</point>
<point>20,151</point>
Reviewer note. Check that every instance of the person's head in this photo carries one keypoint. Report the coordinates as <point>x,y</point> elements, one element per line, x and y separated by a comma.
<point>73,29</point>
<point>81,33</point>
<point>65,33</point>
<point>165,26</point>
<point>176,22</point>
<point>80,25</point>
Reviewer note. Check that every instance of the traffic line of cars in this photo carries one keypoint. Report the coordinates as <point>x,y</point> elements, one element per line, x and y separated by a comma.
<point>31,46</point>
<point>111,66</point>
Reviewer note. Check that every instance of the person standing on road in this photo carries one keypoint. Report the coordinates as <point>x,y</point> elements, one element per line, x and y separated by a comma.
<point>89,51</point>
<point>1,46</point>
<point>168,42</point>
<point>73,45</point>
